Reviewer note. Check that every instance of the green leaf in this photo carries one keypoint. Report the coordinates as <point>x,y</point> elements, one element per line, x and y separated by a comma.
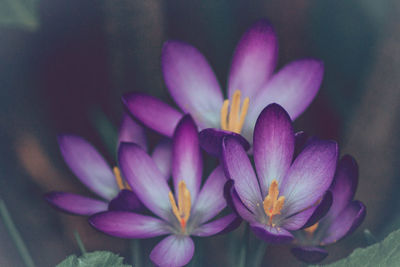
<point>19,13</point>
<point>385,253</point>
<point>97,258</point>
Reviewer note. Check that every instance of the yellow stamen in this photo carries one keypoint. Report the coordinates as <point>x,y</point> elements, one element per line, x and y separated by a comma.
<point>235,119</point>
<point>310,230</point>
<point>118,177</point>
<point>182,210</point>
<point>272,204</point>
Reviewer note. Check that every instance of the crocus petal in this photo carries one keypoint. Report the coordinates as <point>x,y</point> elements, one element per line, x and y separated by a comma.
<point>211,199</point>
<point>344,185</point>
<point>345,223</point>
<point>145,179</point>
<point>128,224</point>
<point>237,167</point>
<point>152,112</point>
<point>192,83</point>
<point>162,156</point>
<point>309,254</point>
<point>310,176</point>
<point>215,227</point>
<point>131,132</point>
<point>173,251</point>
<point>273,145</point>
<point>88,165</point>
<point>254,59</point>
<point>211,140</point>
<point>320,210</point>
<point>75,204</point>
<point>187,163</point>
<point>126,200</point>
<point>293,87</point>
<point>271,234</point>
<point>237,205</point>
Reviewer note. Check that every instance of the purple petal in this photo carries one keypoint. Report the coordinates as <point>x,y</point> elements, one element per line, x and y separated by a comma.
<point>321,210</point>
<point>345,223</point>
<point>215,227</point>
<point>254,59</point>
<point>132,132</point>
<point>187,163</point>
<point>126,200</point>
<point>309,254</point>
<point>271,234</point>
<point>75,204</point>
<point>173,251</point>
<point>238,168</point>
<point>152,112</point>
<point>236,204</point>
<point>310,176</point>
<point>88,165</point>
<point>344,185</point>
<point>211,140</point>
<point>162,156</point>
<point>273,145</point>
<point>146,181</point>
<point>192,83</point>
<point>128,224</point>
<point>211,199</point>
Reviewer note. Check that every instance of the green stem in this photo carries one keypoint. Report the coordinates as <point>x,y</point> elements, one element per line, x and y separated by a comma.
<point>259,253</point>
<point>16,237</point>
<point>135,252</point>
<point>80,243</point>
<point>245,247</point>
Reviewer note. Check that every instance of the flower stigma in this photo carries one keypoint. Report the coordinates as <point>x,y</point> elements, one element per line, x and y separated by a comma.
<point>272,204</point>
<point>121,183</point>
<point>235,119</point>
<point>182,210</point>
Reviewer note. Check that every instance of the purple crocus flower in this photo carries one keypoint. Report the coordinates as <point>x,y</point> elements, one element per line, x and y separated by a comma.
<point>182,214</point>
<point>94,172</point>
<point>286,192</point>
<point>251,81</point>
<point>344,216</point>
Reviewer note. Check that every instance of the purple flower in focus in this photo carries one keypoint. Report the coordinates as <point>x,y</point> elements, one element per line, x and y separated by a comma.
<point>252,85</point>
<point>184,213</point>
<point>94,172</point>
<point>344,216</point>
<point>285,193</point>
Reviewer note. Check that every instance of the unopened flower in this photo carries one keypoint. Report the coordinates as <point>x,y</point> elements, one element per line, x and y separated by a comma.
<point>180,214</point>
<point>286,192</point>
<point>344,216</point>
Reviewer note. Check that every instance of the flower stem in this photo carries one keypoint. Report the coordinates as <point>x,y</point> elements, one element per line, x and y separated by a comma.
<point>16,237</point>
<point>135,252</point>
<point>244,249</point>
<point>79,241</point>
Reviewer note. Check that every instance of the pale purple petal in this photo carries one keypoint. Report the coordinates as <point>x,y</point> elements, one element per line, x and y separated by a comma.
<point>192,83</point>
<point>162,156</point>
<point>273,145</point>
<point>214,227</point>
<point>88,165</point>
<point>345,223</point>
<point>310,176</point>
<point>211,140</point>
<point>298,220</point>
<point>75,204</point>
<point>254,59</point>
<point>210,200</point>
<point>126,200</point>
<point>236,204</point>
<point>321,209</point>
<point>131,132</point>
<point>344,185</point>
<point>271,234</point>
<point>152,112</point>
<point>146,181</point>
<point>309,254</point>
<point>173,251</point>
<point>128,224</point>
<point>238,168</point>
<point>187,163</point>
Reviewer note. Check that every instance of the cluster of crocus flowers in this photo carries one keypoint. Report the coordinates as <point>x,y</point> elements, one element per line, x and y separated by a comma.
<point>252,85</point>
<point>184,213</point>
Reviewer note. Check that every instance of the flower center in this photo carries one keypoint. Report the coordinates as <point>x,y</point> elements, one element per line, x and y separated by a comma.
<point>235,119</point>
<point>310,230</point>
<point>272,204</point>
<point>122,184</point>
<point>182,210</point>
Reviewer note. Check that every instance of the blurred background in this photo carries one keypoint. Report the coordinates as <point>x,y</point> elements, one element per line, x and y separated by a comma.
<point>64,65</point>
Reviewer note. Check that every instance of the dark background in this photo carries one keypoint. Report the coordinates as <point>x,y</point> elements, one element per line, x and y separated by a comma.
<point>64,65</point>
